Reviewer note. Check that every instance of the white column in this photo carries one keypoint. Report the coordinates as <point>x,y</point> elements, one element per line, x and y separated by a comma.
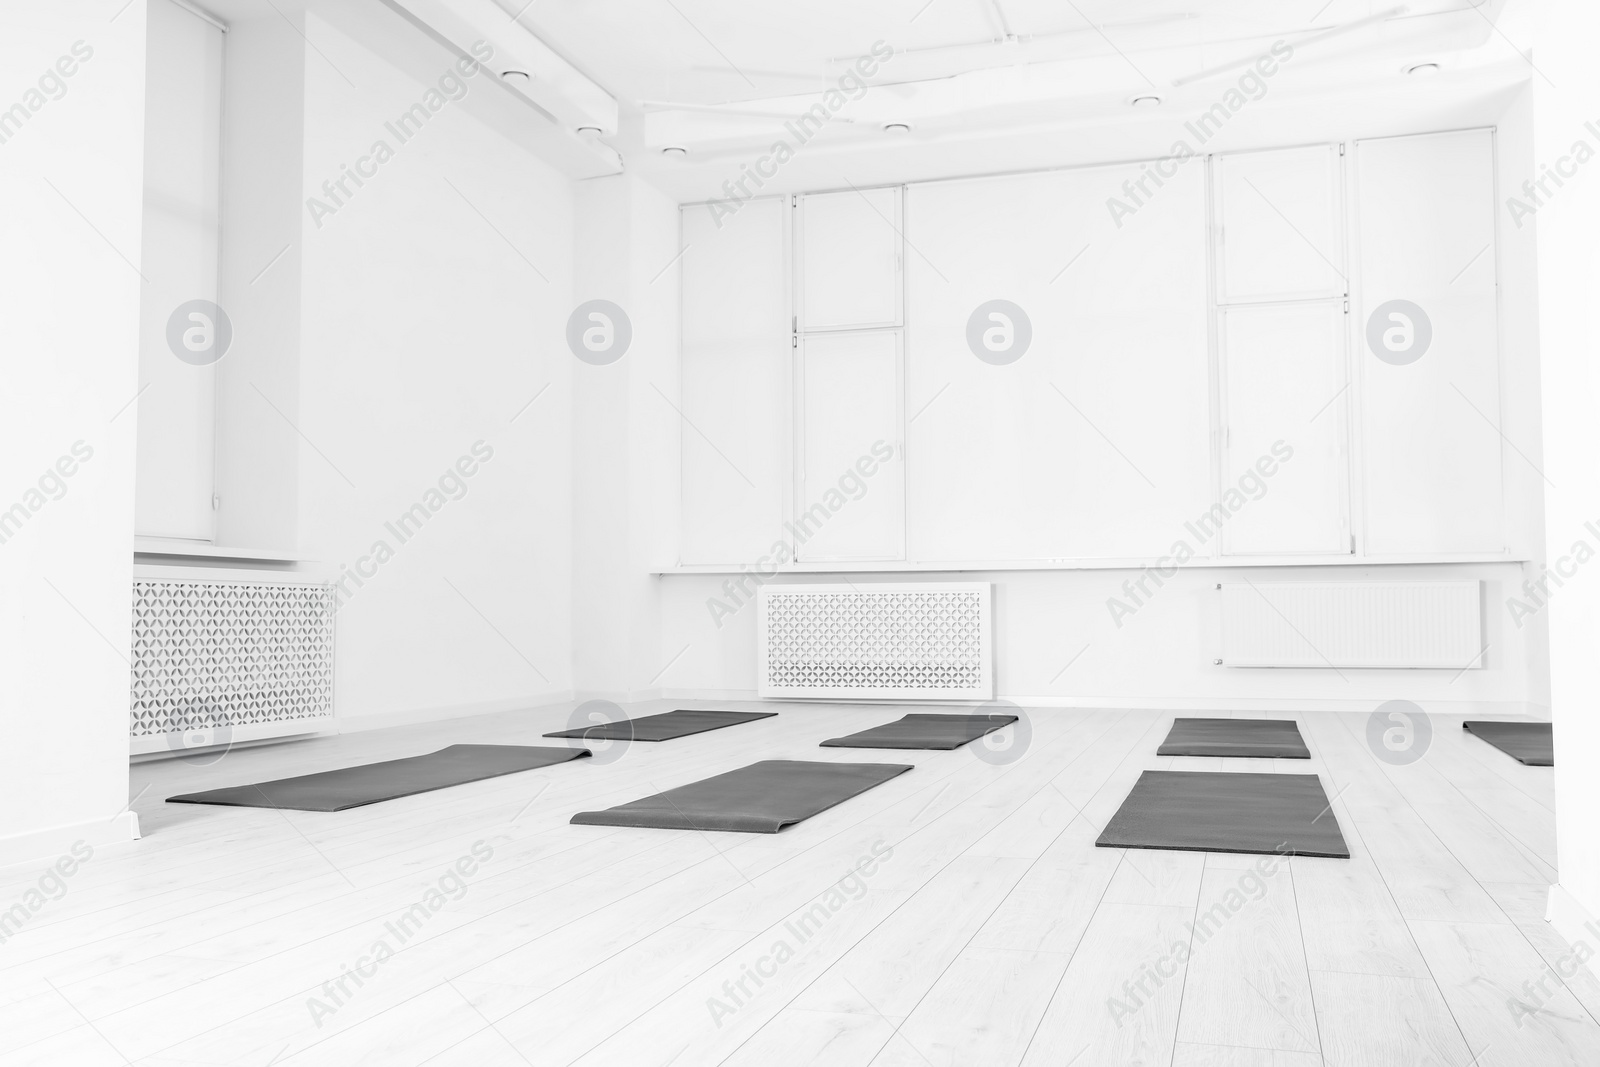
<point>1566,87</point>
<point>71,166</point>
<point>626,431</point>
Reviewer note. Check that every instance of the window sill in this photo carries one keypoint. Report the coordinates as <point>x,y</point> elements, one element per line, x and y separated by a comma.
<point>1208,563</point>
<point>157,546</point>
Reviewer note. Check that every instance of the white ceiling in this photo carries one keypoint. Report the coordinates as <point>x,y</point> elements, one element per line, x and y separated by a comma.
<point>1000,84</point>
<point>719,51</point>
<point>718,76</point>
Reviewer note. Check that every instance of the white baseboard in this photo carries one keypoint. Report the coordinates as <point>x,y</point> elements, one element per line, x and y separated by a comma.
<point>708,694</point>
<point>632,696</point>
<point>50,844</point>
<point>350,724</point>
<point>1216,704</point>
<point>156,748</point>
<point>1219,704</point>
<point>246,737</point>
<point>163,746</point>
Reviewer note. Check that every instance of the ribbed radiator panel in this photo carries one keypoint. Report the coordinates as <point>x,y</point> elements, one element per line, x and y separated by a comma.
<point>214,655</point>
<point>1352,624</point>
<point>891,642</point>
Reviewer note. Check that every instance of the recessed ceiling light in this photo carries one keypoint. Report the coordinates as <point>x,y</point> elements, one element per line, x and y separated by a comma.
<point>516,75</point>
<point>589,133</point>
<point>1147,100</point>
<point>673,151</point>
<point>896,128</point>
<point>1423,69</point>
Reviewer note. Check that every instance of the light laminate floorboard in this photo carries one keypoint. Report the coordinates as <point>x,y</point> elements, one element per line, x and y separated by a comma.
<point>996,933</point>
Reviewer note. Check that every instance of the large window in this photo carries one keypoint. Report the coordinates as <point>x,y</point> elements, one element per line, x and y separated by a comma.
<point>1432,449</point>
<point>179,261</point>
<point>1282,294</point>
<point>1283,354</point>
<point>849,499</point>
<point>1057,366</point>
<point>735,359</point>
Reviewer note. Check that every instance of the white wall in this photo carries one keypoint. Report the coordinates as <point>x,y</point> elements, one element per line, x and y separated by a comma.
<point>69,321</point>
<point>1569,289</point>
<point>399,352</point>
<point>625,432</point>
<point>1525,470</point>
<point>433,304</point>
<point>1161,657</point>
<point>1164,656</point>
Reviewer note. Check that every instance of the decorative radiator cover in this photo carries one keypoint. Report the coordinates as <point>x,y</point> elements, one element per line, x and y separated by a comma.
<point>930,641</point>
<point>1353,624</point>
<point>229,659</point>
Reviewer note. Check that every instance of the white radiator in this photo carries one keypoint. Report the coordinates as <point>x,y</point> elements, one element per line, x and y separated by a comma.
<point>930,641</point>
<point>1352,624</point>
<point>223,659</point>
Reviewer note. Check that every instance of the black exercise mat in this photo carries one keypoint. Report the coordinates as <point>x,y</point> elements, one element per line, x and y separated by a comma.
<point>762,798</point>
<point>1264,738</point>
<point>663,727</point>
<point>1225,811</point>
<point>352,787</point>
<point>1527,742</point>
<point>924,731</point>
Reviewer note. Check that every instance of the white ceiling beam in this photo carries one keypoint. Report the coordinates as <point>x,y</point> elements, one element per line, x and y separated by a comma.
<point>562,91</point>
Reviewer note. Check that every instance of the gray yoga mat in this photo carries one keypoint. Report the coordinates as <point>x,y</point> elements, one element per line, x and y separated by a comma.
<point>1532,743</point>
<point>352,787</point>
<point>1227,812</point>
<point>762,798</point>
<point>663,727</point>
<point>924,731</point>
<point>1265,738</point>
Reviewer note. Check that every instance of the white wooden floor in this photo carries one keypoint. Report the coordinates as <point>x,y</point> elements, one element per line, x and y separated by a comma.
<point>994,932</point>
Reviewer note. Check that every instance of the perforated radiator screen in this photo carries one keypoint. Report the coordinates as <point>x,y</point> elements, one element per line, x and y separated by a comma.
<point>210,654</point>
<point>877,641</point>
